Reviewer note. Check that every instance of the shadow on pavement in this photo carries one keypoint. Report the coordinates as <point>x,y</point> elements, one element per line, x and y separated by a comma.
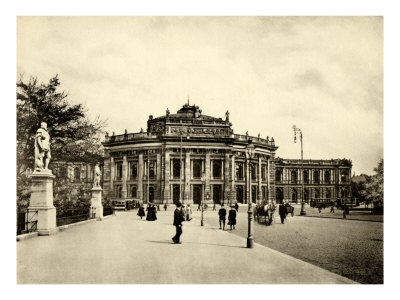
<point>183,242</point>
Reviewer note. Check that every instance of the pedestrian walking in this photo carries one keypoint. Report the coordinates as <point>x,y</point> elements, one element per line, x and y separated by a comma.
<point>282,212</point>
<point>199,207</point>
<point>214,208</point>
<point>232,217</point>
<point>237,206</point>
<point>178,218</point>
<point>222,216</point>
<point>165,206</point>
<point>141,212</point>
<point>319,208</point>
<point>332,209</point>
<point>270,209</point>
<point>344,212</point>
<point>188,213</point>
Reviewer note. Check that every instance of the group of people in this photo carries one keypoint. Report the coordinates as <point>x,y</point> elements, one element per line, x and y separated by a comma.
<point>151,212</point>
<point>231,217</point>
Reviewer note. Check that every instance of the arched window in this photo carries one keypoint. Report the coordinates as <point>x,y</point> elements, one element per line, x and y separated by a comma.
<point>327,177</point>
<point>152,169</point>
<point>294,195</point>
<point>293,177</point>
<point>196,168</point>
<point>316,176</point>
<point>254,172</point>
<point>176,168</point>
<point>77,174</point>
<point>133,191</point>
<point>327,194</point>
<point>316,194</point>
<point>305,177</point>
<point>343,176</point>
<point>306,194</point>
<point>278,176</point>
<point>133,170</point>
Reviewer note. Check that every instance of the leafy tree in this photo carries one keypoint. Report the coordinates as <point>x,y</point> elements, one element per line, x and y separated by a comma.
<point>373,191</point>
<point>74,138</point>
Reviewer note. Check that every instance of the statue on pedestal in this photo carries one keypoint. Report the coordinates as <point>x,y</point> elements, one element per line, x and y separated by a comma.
<point>227,115</point>
<point>97,175</point>
<point>42,148</point>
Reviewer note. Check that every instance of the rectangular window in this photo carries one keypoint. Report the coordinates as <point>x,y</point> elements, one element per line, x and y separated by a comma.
<point>118,170</point>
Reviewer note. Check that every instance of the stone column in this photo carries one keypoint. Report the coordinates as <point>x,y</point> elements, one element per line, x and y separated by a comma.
<point>233,174</point>
<point>167,176</point>
<point>208,175</point>
<point>96,207</point>
<point>259,194</point>
<point>41,207</point>
<point>268,180</point>
<point>226,179</point>
<point>247,183</point>
<point>158,198</point>
<point>140,177</point>
<point>112,174</point>
<point>124,176</point>
<point>186,196</point>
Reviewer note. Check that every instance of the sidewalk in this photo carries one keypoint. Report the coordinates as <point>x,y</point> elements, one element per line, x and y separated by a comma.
<point>125,249</point>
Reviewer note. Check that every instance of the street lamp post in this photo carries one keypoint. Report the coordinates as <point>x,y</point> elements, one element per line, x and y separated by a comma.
<point>180,171</point>
<point>298,130</point>
<point>249,156</point>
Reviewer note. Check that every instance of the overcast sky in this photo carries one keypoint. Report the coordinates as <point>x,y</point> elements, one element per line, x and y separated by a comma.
<point>324,75</point>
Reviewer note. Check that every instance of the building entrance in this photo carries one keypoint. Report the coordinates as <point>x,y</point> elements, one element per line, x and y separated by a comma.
<point>197,193</point>
<point>239,194</point>
<point>217,193</point>
<point>279,195</point>
<point>175,193</point>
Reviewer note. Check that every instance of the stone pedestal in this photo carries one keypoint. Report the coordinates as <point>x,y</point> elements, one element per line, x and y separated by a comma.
<point>96,207</point>
<point>41,208</point>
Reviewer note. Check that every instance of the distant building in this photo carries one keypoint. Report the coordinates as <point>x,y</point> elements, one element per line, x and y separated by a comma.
<point>191,157</point>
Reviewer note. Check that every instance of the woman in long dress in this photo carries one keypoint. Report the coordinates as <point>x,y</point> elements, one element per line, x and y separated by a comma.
<point>188,213</point>
<point>232,217</point>
<point>141,212</point>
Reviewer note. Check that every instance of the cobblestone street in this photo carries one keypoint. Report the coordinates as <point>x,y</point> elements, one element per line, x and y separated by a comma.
<point>351,248</point>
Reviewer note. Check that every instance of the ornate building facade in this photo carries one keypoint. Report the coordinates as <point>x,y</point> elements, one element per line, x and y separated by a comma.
<point>191,157</point>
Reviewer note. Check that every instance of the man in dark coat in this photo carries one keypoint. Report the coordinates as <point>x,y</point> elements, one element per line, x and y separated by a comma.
<point>222,217</point>
<point>232,217</point>
<point>237,207</point>
<point>178,218</point>
<point>282,212</point>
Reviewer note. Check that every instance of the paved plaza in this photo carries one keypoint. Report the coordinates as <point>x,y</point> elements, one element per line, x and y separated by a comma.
<point>125,249</point>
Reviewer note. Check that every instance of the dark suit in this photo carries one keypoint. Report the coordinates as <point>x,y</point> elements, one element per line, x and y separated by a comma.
<point>222,217</point>
<point>282,213</point>
<point>178,218</point>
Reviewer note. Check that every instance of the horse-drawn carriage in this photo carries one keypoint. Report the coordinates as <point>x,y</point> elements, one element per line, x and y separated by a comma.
<point>265,212</point>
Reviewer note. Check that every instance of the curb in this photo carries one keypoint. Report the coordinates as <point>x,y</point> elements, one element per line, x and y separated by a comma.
<point>26,236</point>
<point>349,281</point>
<point>337,218</point>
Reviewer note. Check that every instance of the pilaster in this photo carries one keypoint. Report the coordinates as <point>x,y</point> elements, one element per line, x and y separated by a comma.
<point>124,176</point>
<point>167,176</point>
<point>187,178</point>
<point>140,177</point>
<point>259,194</point>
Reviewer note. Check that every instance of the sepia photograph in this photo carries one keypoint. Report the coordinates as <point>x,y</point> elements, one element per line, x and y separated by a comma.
<point>228,150</point>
